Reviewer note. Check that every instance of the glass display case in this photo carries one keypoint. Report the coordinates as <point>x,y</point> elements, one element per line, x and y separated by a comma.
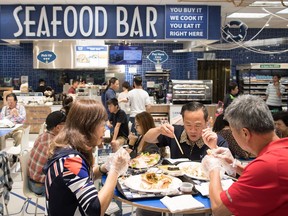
<point>192,90</point>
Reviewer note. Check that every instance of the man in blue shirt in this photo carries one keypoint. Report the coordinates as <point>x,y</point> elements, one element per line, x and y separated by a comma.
<point>110,92</point>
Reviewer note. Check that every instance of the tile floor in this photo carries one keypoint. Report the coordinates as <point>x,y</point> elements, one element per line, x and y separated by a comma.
<point>17,198</point>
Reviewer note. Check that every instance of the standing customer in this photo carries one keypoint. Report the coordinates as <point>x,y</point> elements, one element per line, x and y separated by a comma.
<point>139,101</point>
<point>110,92</point>
<point>42,86</point>
<point>16,113</point>
<point>274,93</point>
<point>69,186</point>
<point>231,94</point>
<point>122,98</point>
<point>39,153</point>
<point>262,188</point>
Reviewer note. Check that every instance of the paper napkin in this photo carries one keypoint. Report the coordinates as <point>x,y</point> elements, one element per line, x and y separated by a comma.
<point>181,203</point>
<point>203,188</point>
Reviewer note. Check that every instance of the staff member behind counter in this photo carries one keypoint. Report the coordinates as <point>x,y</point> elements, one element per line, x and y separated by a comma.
<point>194,137</point>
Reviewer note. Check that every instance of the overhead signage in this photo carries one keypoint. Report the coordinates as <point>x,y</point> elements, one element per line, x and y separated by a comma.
<point>109,22</point>
<point>186,21</point>
<point>91,56</point>
<point>270,66</point>
<point>158,56</point>
<point>46,56</point>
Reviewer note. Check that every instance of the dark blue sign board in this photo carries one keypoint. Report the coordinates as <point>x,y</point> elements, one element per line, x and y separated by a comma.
<point>158,56</point>
<point>109,22</point>
<point>46,56</point>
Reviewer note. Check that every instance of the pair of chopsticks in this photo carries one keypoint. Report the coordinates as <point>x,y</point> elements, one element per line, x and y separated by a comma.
<point>178,144</point>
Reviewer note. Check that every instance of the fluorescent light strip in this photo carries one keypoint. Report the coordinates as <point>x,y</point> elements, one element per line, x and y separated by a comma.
<point>267,4</point>
<point>248,15</point>
<point>285,11</point>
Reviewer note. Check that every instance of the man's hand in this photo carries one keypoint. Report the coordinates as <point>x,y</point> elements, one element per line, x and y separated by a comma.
<point>210,138</point>
<point>167,130</point>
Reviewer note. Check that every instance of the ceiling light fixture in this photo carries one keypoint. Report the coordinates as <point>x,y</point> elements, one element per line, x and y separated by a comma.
<point>267,4</point>
<point>248,15</point>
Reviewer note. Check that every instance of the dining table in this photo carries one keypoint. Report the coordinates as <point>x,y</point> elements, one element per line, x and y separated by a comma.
<point>154,204</point>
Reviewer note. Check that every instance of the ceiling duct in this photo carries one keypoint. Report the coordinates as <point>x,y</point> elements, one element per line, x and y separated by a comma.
<point>237,3</point>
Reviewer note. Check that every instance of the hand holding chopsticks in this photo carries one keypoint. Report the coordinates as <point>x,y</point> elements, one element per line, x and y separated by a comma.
<point>168,130</point>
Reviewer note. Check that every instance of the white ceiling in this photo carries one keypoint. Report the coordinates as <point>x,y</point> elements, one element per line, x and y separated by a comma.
<point>227,8</point>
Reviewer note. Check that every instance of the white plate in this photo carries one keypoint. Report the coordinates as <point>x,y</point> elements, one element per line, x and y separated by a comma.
<point>134,182</point>
<point>192,165</point>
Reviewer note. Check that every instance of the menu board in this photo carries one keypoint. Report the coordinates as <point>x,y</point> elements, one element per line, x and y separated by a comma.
<point>91,56</point>
<point>125,55</point>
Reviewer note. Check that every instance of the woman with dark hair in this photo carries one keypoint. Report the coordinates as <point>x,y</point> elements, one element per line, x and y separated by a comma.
<point>143,122</point>
<point>232,92</point>
<point>69,186</point>
<point>66,103</point>
<point>221,127</point>
<point>110,92</point>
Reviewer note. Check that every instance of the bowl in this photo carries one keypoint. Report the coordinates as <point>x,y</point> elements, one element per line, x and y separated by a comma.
<point>186,187</point>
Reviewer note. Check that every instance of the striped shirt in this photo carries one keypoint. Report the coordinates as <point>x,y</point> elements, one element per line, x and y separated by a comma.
<point>273,99</point>
<point>69,188</point>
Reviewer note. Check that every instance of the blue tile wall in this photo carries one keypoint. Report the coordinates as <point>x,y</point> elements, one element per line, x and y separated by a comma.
<point>18,61</point>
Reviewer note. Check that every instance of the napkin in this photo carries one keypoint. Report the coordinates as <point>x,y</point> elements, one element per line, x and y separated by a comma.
<point>203,188</point>
<point>181,203</point>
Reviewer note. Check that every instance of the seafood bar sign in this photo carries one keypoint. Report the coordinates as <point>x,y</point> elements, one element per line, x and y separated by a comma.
<point>109,22</point>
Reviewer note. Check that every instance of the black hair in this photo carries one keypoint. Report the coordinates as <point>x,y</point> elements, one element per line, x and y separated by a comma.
<point>113,101</point>
<point>74,81</point>
<point>138,81</point>
<point>277,75</point>
<point>111,81</point>
<point>126,85</point>
<point>12,95</point>
<point>41,80</point>
<point>220,123</point>
<point>231,86</point>
<point>194,106</point>
<point>283,115</point>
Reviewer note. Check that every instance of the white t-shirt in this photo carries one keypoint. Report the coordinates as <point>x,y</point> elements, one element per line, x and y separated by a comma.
<point>123,105</point>
<point>138,99</point>
<point>273,99</point>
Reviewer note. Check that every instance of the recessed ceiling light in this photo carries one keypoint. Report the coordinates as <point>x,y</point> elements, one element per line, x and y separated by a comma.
<point>267,4</point>
<point>285,11</point>
<point>175,41</point>
<point>267,24</point>
<point>154,41</point>
<point>248,15</point>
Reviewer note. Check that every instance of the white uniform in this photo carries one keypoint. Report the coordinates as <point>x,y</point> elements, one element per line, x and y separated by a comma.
<point>138,99</point>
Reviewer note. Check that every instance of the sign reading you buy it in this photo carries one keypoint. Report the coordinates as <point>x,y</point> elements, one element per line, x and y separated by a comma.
<point>189,21</point>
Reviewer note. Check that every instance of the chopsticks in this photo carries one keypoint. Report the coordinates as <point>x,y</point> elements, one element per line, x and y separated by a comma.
<point>178,144</point>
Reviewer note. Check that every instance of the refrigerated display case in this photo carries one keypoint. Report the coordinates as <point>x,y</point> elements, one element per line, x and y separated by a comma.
<point>192,90</point>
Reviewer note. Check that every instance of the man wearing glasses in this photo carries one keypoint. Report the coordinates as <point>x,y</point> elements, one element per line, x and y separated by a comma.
<point>39,153</point>
<point>194,136</point>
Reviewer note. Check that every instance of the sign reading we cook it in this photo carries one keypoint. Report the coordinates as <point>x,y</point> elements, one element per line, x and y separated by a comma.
<point>109,22</point>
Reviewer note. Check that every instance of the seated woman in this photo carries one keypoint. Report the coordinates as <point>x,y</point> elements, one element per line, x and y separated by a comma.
<point>221,127</point>
<point>69,186</point>
<point>143,122</point>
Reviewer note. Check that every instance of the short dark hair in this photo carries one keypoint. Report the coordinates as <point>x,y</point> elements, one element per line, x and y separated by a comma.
<point>283,115</point>
<point>194,106</point>
<point>41,80</point>
<point>232,86</point>
<point>12,95</point>
<point>113,101</point>
<point>277,75</point>
<point>138,80</point>
<point>74,81</point>
<point>126,85</point>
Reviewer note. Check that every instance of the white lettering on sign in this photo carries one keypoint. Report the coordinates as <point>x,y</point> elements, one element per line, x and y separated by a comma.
<point>85,22</point>
<point>136,26</point>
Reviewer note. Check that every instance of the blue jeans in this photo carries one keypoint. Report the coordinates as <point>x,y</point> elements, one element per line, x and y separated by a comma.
<point>37,187</point>
<point>133,129</point>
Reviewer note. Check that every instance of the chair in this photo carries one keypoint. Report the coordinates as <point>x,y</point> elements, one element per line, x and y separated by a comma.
<point>24,145</point>
<point>24,158</point>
